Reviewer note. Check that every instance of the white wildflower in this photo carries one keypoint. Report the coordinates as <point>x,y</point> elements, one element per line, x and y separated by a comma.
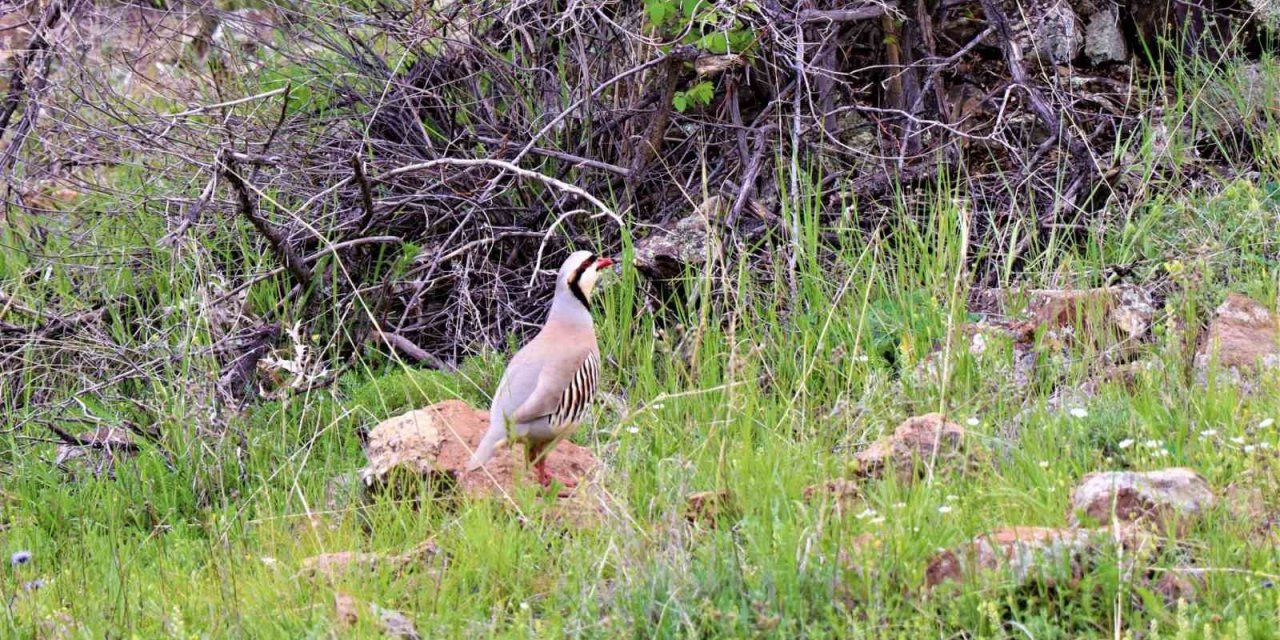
<point>1209,433</point>
<point>1153,444</point>
<point>1079,412</point>
<point>973,422</point>
<point>633,430</point>
<point>866,513</point>
<point>1266,424</point>
<point>1044,464</point>
<point>1249,448</point>
<point>1126,443</point>
<point>979,344</point>
<point>944,509</point>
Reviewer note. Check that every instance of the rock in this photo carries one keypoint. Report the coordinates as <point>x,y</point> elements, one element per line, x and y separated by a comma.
<point>912,447</point>
<point>667,253</point>
<point>1243,336</point>
<point>395,624</point>
<point>707,507</point>
<point>1028,553</point>
<point>1167,496</point>
<point>844,493</point>
<point>410,442</point>
<point>330,565</point>
<point>1057,35</point>
<point>859,552</point>
<point>1111,319</point>
<point>1179,583</point>
<point>1103,39</point>
<point>97,453</point>
<point>1124,310</point>
<point>436,442</point>
<point>345,609</point>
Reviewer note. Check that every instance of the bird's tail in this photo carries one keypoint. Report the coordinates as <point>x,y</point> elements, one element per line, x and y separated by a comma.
<point>492,440</point>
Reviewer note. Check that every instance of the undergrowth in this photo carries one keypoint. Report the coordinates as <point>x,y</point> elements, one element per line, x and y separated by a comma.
<point>745,386</point>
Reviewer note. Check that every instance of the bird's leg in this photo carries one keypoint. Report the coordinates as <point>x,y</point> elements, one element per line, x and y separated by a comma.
<point>539,462</point>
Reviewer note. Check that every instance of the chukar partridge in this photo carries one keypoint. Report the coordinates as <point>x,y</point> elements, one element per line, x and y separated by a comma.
<point>550,381</point>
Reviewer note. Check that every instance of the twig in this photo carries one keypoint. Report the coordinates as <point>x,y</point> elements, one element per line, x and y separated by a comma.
<point>1013,61</point>
<point>296,267</point>
<point>748,186</point>
<point>507,166</point>
<point>605,210</point>
<point>366,192</point>
<point>843,15</point>
<point>567,157</point>
<point>38,43</point>
<point>231,103</point>
<point>408,348</point>
<point>337,246</point>
<point>685,52</point>
<point>798,65</point>
<point>193,212</point>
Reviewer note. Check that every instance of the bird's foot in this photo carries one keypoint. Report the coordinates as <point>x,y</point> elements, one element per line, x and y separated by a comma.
<point>547,480</point>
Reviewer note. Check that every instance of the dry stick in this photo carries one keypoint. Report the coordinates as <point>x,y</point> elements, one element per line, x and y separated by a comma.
<point>798,64</point>
<point>1013,60</point>
<point>749,178</point>
<point>35,46</point>
<point>275,130</point>
<point>680,51</point>
<point>337,246</point>
<point>366,192</point>
<point>408,348</point>
<point>843,15</point>
<point>231,103</point>
<point>296,267</point>
<point>39,79</point>
<point>523,173</point>
<point>528,147</point>
<point>567,157</point>
<point>193,212</point>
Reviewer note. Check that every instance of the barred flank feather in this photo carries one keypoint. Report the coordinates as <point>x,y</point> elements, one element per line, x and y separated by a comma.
<point>574,400</point>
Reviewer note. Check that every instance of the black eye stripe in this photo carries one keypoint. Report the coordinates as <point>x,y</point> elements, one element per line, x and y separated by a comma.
<point>574,288</point>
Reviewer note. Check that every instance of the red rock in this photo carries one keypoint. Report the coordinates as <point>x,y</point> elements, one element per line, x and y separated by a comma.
<point>844,493</point>
<point>330,565</point>
<point>438,441</point>
<point>1028,553</point>
<point>706,507</point>
<point>1165,496</point>
<point>914,444</point>
<point>1243,335</point>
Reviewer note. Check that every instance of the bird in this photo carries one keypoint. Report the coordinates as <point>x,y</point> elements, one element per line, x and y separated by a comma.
<point>549,383</point>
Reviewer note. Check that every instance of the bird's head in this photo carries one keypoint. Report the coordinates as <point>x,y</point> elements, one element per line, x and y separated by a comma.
<point>579,273</point>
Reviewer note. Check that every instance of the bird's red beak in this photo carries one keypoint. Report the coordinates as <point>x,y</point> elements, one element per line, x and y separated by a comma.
<point>604,262</point>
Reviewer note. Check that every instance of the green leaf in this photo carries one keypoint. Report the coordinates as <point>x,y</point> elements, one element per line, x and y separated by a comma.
<point>657,10</point>
<point>701,93</point>
<point>713,43</point>
<point>680,101</point>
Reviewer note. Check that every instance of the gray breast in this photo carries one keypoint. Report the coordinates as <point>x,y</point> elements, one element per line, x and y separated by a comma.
<point>575,399</point>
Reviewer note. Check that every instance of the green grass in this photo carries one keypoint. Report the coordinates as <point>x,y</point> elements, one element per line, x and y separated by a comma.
<point>203,534</point>
<point>760,404</point>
